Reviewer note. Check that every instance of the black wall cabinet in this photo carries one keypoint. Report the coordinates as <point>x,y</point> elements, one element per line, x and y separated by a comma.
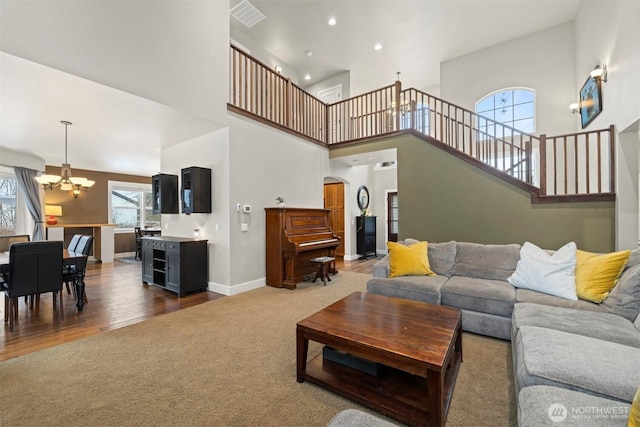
<point>366,236</point>
<point>196,190</point>
<point>165,193</point>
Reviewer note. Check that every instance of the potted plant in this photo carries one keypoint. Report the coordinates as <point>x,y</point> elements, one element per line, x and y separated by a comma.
<point>280,202</point>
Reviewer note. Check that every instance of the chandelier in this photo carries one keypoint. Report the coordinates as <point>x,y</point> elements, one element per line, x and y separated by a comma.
<point>66,182</point>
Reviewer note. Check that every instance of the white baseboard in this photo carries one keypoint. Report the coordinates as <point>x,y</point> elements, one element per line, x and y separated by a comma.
<point>351,257</point>
<point>236,289</point>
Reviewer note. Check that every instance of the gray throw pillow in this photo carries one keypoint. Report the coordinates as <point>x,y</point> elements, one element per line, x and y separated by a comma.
<point>624,298</point>
<point>442,256</point>
<point>493,262</point>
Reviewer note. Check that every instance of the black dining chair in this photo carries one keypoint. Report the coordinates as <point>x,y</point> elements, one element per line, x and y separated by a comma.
<point>71,271</point>
<point>34,268</point>
<point>138,234</point>
<point>74,242</point>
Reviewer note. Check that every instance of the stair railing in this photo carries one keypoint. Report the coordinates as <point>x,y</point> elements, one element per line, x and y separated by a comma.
<point>573,165</point>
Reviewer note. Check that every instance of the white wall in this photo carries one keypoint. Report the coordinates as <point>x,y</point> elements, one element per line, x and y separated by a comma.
<point>343,79</point>
<point>266,163</point>
<point>543,61</point>
<point>628,188</point>
<point>209,151</point>
<point>609,32</point>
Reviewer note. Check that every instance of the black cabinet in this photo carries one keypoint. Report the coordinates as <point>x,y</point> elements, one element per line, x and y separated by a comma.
<point>177,264</point>
<point>196,190</point>
<point>366,236</point>
<point>165,193</point>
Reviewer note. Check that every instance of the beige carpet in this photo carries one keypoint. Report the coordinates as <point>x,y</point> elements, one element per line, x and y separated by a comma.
<point>229,362</point>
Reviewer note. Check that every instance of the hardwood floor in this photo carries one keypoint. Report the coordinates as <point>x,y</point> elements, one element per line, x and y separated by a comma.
<point>117,298</point>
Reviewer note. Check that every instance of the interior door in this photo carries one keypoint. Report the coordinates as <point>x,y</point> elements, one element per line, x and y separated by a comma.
<point>392,216</point>
<point>331,96</point>
<point>334,200</point>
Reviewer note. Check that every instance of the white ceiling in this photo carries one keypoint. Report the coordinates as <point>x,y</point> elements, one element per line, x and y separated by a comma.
<point>416,35</point>
<point>112,130</point>
<point>120,132</point>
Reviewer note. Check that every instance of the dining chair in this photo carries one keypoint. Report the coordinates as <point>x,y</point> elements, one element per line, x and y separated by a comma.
<point>34,268</point>
<point>138,235</point>
<point>74,242</point>
<point>71,271</point>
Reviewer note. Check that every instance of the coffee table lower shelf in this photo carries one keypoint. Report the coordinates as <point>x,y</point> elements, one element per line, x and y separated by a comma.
<point>395,393</point>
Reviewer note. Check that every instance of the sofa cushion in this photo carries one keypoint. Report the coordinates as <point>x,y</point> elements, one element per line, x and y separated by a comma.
<point>526,295</point>
<point>604,326</point>
<point>417,288</point>
<point>442,256</point>
<point>624,298</point>
<point>408,260</point>
<point>542,405</point>
<point>634,259</point>
<point>597,274</point>
<point>550,274</point>
<point>575,362</point>
<point>483,295</point>
<point>493,262</point>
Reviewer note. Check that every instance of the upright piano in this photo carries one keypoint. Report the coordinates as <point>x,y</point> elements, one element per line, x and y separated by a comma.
<point>294,236</point>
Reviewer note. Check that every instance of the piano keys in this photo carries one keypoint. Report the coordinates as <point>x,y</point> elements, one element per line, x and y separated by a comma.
<point>294,236</point>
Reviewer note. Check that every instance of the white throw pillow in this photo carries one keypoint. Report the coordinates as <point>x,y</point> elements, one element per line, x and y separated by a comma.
<point>550,274</point>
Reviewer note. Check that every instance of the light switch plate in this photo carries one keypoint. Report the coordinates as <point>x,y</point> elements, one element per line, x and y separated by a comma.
<point>244,227</point>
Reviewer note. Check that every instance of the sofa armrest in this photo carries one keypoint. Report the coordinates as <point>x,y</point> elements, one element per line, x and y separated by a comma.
<point>381,268</point>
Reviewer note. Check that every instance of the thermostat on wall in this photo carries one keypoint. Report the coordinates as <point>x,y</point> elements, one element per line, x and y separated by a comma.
<point>247,208</point>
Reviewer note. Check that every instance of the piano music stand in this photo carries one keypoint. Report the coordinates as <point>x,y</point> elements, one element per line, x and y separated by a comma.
<point>323,272</point>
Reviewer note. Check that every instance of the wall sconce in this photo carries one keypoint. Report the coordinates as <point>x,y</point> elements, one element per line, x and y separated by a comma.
<point>600,72</point>
<point>196,233</point>
<point>278,69</point>
<point>575,108</point>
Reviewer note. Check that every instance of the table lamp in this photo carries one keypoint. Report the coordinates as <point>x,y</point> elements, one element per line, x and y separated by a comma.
<point>52,211</point>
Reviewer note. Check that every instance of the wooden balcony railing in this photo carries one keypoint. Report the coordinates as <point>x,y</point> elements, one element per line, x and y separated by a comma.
<point>256,89</point>
<point>493,143</point>
<point>580,164</point>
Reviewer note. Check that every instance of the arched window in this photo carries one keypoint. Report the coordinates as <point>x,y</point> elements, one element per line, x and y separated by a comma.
<point>512,107</point>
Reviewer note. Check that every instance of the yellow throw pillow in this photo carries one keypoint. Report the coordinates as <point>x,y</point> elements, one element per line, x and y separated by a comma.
<point>597,274</point>
<point>409,260</point>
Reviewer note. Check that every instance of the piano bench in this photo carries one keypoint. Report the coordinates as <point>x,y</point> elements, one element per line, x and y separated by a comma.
<point>323,271</point>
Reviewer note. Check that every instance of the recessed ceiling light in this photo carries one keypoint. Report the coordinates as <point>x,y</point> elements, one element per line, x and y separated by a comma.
<point>332,21</point>
<point>307,77</point>
<point>308,52</point>
<point>378,46</point>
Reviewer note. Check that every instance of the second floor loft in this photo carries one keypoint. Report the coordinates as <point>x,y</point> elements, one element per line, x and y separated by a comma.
<point>569,167</point>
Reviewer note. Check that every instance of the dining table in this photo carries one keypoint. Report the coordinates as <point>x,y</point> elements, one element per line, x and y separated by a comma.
<point>69,259</point>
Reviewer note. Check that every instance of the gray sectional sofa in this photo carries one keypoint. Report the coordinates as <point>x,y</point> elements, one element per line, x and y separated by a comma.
<point>574,361</point>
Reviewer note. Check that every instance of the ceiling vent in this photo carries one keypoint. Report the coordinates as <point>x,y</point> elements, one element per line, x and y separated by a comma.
<point>247,13</point>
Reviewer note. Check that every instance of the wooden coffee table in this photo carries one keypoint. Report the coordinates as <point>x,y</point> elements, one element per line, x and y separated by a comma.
<point>418,344</point>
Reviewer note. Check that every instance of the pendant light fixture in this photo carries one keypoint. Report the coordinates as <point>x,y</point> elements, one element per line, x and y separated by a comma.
<point>65,181</point>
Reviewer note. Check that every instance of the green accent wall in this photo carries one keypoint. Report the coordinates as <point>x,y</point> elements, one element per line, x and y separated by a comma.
<point>442,197</point>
